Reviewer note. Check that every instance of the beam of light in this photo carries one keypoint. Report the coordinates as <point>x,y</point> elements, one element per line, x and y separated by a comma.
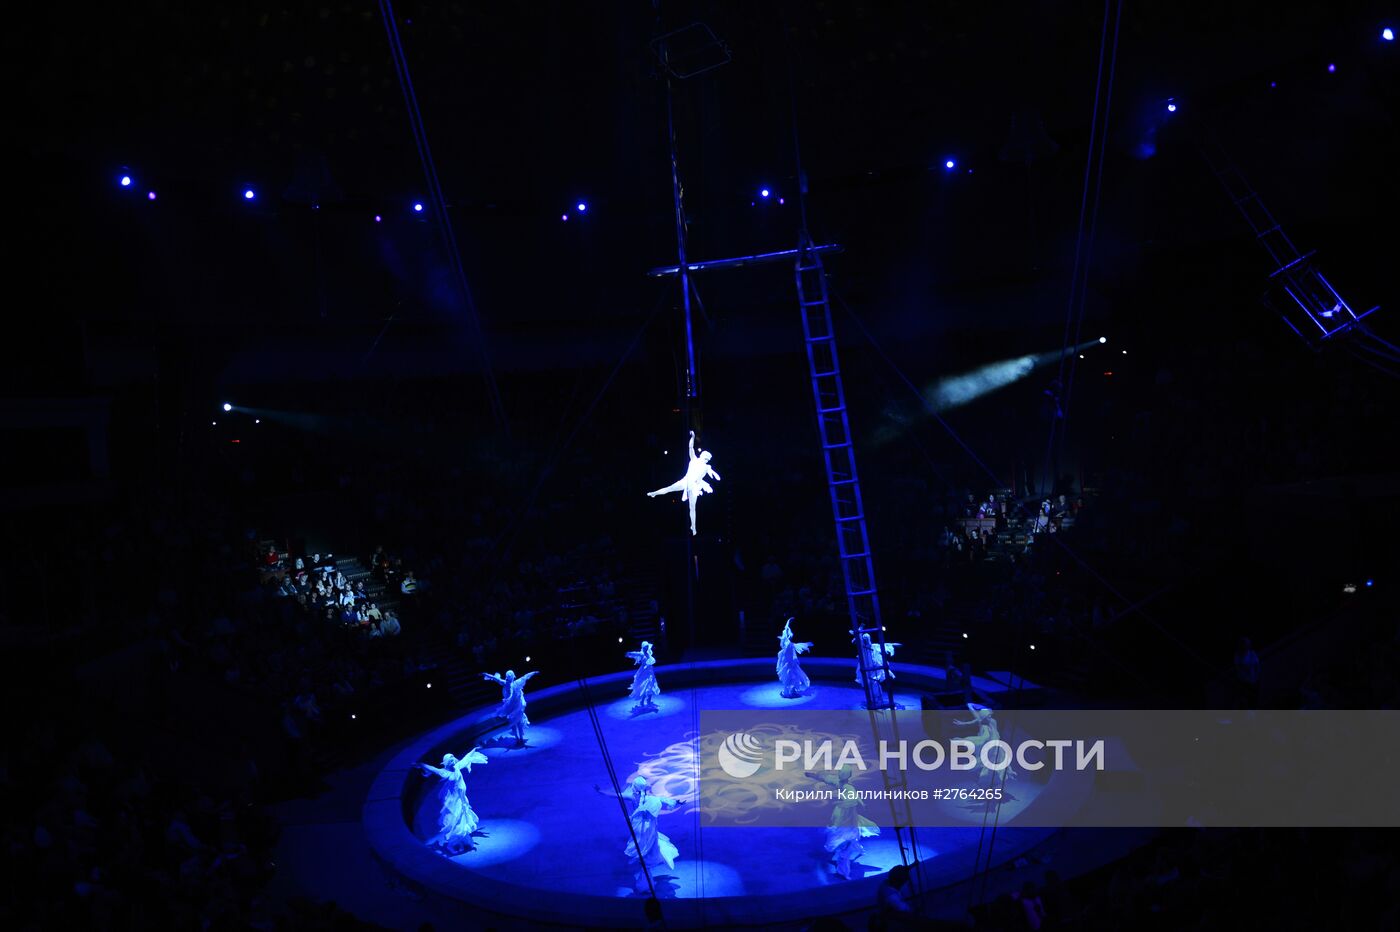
<point>227,406</point>
<point>957,390</point>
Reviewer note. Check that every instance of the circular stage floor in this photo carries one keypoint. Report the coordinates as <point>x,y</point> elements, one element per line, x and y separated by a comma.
<point>550,848</point>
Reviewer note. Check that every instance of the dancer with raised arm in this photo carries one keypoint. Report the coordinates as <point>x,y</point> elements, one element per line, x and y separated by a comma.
<point>692,485</point>
<point>790,674</point>
<point>450,827</point>
<point>847,826</point>
<point>644,687</point>
<point>512,706</point>
<point>650,846</point>
<point>987,731</point>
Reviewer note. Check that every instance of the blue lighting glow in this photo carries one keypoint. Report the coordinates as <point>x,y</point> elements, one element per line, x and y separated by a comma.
<point>125,181</point>
<point>1370,583</point>
<point>763,193</point>
<point>1331,69</point>
<point>418,207</point>
<point>248,194</point>
<point>150,195</point>
<point>581,207</point>
<point>1388,34</point>
<point>950,165</point>
<point>1103,339</point>
<point>227,406</point>
<point>378,219</point>
<point>1171,107</point>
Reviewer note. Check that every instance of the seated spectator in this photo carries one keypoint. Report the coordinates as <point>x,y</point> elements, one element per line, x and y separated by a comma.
<point>390,625</point>
<point>270,559</point>
<point>891,900</point>
<point>373,613</point>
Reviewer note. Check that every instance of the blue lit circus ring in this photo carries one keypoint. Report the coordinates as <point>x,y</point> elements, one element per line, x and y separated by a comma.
<point>551,849</point>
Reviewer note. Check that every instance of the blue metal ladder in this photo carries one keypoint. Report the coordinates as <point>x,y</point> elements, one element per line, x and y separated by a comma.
<point>842,478</point>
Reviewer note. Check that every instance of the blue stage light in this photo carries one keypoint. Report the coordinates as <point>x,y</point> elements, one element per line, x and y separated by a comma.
<point>581,207</point>
<point>1332,69</point>
<point>564,217</point>
<point>249,194</point>
<point>950,165</point>
<point>125,181</point>
<point>227,406</point>
<point>418,207</point>
<point>378,219</point>
<point>1103,339</point>
<point>763,193</point>
<point>1370,583</point>
<point>150,195</point>
<point>1171,107</point>
<point>1388,34</point>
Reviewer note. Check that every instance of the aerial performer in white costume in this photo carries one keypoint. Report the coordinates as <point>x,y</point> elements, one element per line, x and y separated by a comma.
<point>451,825</point>
<point>644,688</point>
<point>870,666</point>
<point>512,706</point>
<point>650,847</point>
<point>987,731</point>
<point>795,682</point>
<point>847,826</point>
<point>692,485</point>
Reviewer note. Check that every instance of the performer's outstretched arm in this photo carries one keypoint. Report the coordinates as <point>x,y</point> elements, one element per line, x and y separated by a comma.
<point>692,445</point>
<point>493,676</point>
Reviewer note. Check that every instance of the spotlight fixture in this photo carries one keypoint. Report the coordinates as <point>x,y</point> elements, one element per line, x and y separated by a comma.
<point>1171,107</point>
<point>764,192</point>
<point>1332,68</point>
<point>249,194</point>
<point>564,217</point>
<point>378,219</point>
<point>125,181</point>
<point>227,406</point>
<point>950,164</point>
<point>1388,34</point>
<point>150,195</point>
<point>1103,339</point>
<point>417,207</point>
<point>581,207</point>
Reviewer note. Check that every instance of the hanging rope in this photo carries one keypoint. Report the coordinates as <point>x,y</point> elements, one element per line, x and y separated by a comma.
<point>439,202</point>
<point>1083,246</point>
<point>561,448</point>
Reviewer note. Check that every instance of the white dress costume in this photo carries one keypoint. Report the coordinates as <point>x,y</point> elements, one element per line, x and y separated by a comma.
<point>790,674</point>
<point>512,707</point>
<point>692,485</point>
<point>644,686</point>
<point>451,822</point>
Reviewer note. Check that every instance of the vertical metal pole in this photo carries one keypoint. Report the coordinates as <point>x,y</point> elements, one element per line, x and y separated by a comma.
<point>692,378</point>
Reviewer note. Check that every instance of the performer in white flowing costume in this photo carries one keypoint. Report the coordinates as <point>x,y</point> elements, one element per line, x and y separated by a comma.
<point>987,731</point>
<point>870,664</point>
<point>692,485</point>
<point>790,674</point>
<point>451,825</point>
<point>847,826</point>
<point>650,847</point>
<point>644,687</point>
<point>512,705</point>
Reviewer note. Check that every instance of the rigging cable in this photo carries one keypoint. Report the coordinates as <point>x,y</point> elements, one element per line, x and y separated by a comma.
<point>444,222</point>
